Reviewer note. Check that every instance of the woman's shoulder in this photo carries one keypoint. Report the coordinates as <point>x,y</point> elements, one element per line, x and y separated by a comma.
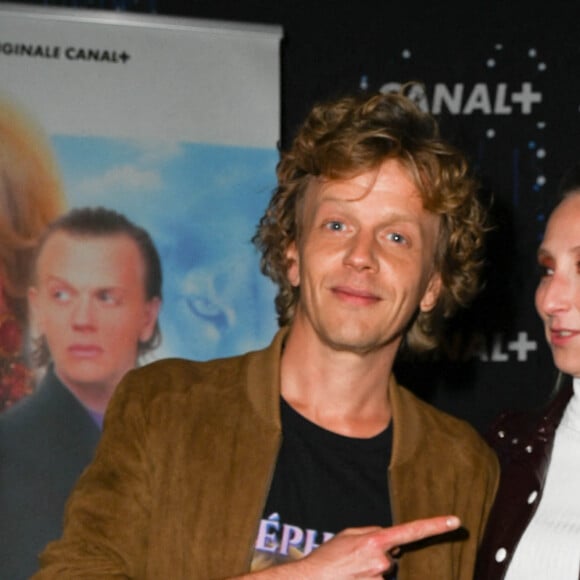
<point>515,431</point>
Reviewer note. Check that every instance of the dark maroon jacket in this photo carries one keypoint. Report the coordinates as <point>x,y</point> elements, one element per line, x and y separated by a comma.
<point>523,442</point>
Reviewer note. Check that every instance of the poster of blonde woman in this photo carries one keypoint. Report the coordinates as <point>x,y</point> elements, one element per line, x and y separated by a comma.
<point>174,123</point>
<point>31,196</point>
<point>160,149</point>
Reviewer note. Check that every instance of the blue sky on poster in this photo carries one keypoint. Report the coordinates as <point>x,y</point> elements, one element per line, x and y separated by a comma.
<point>201,204</point>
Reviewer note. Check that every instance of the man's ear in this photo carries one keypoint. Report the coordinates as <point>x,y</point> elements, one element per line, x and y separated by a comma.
<point>151,313</point>
<point>293,272</point>
<point>35,321</point>
<point>431,294</point>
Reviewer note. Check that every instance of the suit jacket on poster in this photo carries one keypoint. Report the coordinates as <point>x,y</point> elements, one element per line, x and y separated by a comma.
<point>46,440</point>
<point>182,472</point>
<point>524,442</point>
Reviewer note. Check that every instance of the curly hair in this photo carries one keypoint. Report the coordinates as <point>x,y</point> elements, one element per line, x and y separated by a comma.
<point>31,196</point>
<point>343,138</point>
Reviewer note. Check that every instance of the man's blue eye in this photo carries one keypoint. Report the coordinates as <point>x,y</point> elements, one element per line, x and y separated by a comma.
<point>396,237</point>
<point>335,226</point>
<point>62,295</point>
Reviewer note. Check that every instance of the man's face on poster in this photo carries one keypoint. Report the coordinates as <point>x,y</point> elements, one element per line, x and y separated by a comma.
<point>90,305</point>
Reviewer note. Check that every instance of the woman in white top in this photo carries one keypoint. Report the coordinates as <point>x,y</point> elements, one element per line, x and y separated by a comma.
<point>534,527</point>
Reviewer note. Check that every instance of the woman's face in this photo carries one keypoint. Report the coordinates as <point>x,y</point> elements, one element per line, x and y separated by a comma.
<point>558,293</point>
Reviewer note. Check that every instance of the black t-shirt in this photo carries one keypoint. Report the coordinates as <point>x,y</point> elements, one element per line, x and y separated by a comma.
<point>323,483</point>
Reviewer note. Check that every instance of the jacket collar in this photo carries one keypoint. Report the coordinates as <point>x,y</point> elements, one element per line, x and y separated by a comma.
<point>263,386</point>
<point>263,382</point>
<point>404,416</point>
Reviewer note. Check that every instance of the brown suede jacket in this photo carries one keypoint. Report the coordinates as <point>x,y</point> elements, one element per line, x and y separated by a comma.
<point>179,481</point>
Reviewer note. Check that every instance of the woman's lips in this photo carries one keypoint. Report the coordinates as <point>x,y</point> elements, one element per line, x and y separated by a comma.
<point>561,336</point>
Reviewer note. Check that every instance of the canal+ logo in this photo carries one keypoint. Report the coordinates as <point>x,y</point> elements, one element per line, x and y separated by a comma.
<point>482,98</point>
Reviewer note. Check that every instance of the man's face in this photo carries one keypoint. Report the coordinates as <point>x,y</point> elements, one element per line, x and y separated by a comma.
<point>90,305</point>
<point>365,259</point>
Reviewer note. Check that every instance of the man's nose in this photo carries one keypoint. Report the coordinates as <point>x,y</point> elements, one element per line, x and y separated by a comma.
<point>83,315</point>
<point>361,253</point>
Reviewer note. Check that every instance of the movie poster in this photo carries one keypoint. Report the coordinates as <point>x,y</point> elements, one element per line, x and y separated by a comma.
<point>174,123</point>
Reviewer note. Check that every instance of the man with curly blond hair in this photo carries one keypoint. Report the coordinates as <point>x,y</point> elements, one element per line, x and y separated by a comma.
<point>308,459</point>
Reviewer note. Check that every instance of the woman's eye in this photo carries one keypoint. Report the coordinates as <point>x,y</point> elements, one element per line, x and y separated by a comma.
<point>544,270</point>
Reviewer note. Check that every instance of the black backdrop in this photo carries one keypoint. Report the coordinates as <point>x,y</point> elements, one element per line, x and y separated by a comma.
<point>505,82</point>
